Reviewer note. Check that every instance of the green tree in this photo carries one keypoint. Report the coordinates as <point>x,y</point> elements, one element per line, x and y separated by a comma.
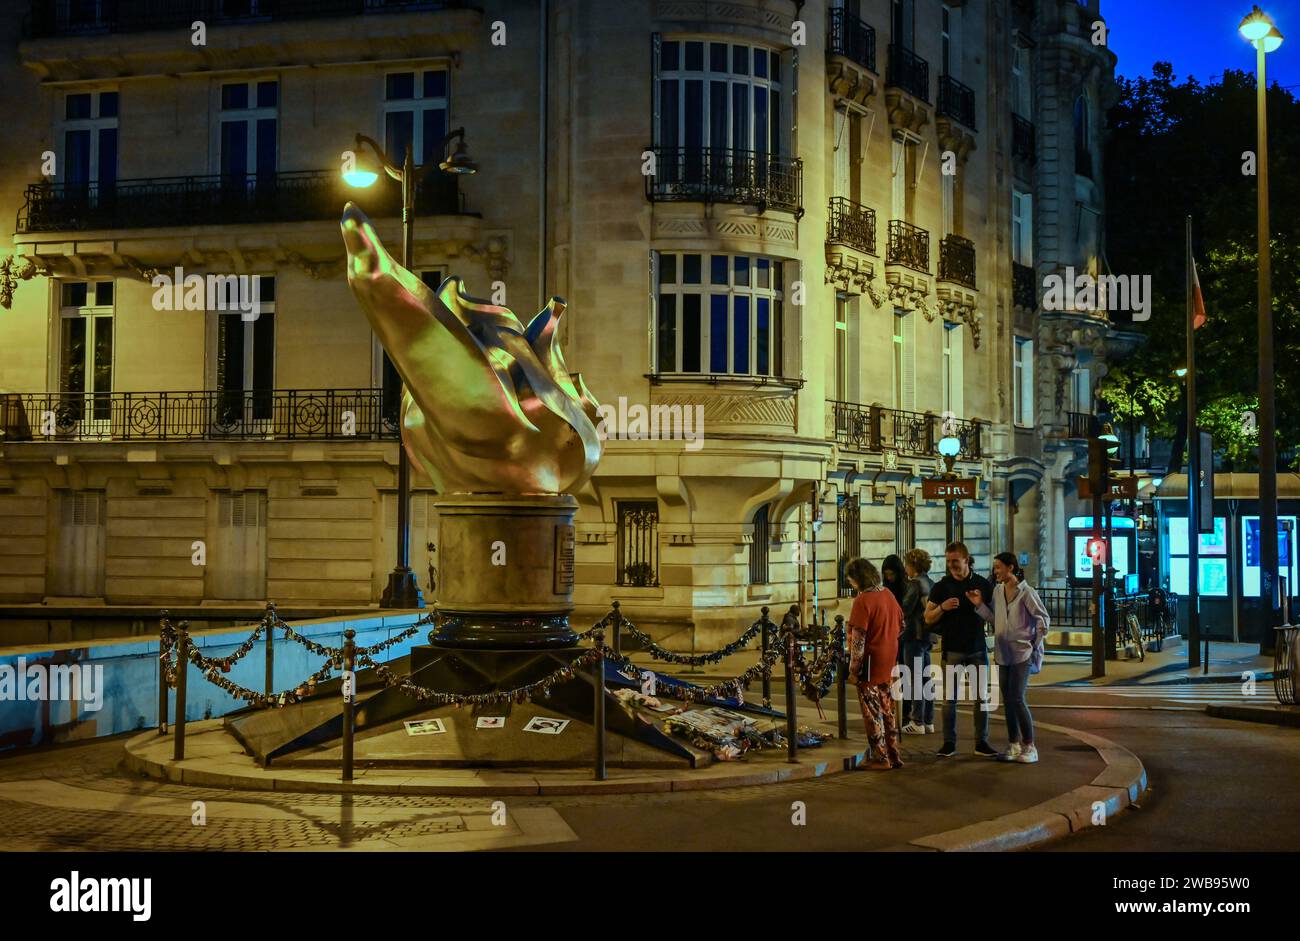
<point>1179,149</point>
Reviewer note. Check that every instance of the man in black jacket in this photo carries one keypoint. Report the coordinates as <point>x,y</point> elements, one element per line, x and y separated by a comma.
<point>950,612</point>
<point>918,639</point>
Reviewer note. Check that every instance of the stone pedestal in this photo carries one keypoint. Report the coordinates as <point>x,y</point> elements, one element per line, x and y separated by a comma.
<point>506,578</point>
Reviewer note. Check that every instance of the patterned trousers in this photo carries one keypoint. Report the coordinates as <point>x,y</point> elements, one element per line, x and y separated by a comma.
<point>878,716</point>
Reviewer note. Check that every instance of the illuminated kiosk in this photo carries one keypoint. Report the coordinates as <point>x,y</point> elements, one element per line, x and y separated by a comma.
<point>505,434</point>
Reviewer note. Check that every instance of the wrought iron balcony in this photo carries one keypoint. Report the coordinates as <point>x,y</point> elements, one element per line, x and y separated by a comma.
<point>850,37</point>
<point>287,196</point>
<point>79,18</point>
<point>875,428</point>
<point>1024,143</point>
<point>1080,424</point>
<point>210,415</point>
<point>909,245</point>
<point>851,224</point>
<point>957,101</point>
<point>724,175</point>
<point>1024,292</point>
<point>957,260</point>
<point>909,72</point>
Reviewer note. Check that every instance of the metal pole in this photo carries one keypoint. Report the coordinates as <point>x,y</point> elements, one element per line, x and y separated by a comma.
<point>349,699</point>
<point>791,722</point>
<point>617,622</point>
<point>1268,554</point>
<point>162,679</point>
<point>182,668</point>
<point>1108,583</point>
<point>767,637</point>
<point>269,620</point>
<point>1098,636</point>
<point>598,683</point>
<point>841,678</point>
<point>1193,481</point>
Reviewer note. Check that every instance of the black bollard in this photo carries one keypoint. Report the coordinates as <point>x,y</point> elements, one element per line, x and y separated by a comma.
<point>349,699</point>
<point>182,668</point>
<point>842,677</point>
<point>617,621</point>
<point>791,720</point>
<point>767,640</point>
<point>162,675</point>
<point>269,620</point>
<point>598,682</point>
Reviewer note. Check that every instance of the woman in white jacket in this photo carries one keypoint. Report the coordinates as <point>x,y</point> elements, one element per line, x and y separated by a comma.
<point>1020,626</point>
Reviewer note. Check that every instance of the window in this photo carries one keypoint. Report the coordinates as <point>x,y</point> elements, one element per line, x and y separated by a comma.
<point>249,131</point>
<point>1212,559</point>
<point>638,543</point>
<point>948,203</point>
<point>245,367</point>
<point>1022,228</point>
<point>1082,137</point>
<point>848,154</point>
<point>1022,372</point>
<point>950,35</point>
<point>848,516</point>
<point>904,359</point>
<point>953,370</point>
<point>1022,102</point>
<point>905,169</point>
<point>841,349</point>
<point>85,350</point>
<point>88,133</point>
<point>758,548</point>
<point>719,314</point>
<point>903,23</point>
<point>720,95</point>
<point>1081,390</point>
<point>415,113</point>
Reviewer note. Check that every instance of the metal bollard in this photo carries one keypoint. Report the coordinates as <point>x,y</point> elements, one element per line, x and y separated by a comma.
<point>182,668</point>
<point>269,620</point>
<point>767,638</point>
<point>162,677</point>
<point>349,699</point>
<point>617,621</point>
<point>791,719</point>
<point>598,683</point>
<point>841,678</point>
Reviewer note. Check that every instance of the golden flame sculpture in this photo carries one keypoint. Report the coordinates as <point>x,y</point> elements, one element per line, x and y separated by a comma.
<point>488,405</point>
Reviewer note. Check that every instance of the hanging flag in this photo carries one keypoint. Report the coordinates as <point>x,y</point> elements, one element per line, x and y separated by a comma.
<point>1198,302</point>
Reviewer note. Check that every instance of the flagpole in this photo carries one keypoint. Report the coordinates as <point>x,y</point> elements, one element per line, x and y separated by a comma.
<point>1193,479</point>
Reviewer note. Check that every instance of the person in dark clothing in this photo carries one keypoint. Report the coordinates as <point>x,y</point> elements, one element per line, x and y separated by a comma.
<point>895,577</point>
<point>950,613</point>
<point>918,640</point>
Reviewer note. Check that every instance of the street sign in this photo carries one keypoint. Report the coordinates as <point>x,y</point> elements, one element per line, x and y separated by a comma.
<point>936,488</point>
<point>1121,488</point>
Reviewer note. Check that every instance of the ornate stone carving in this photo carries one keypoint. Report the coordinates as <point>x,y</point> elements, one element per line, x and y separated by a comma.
<point>905,112</point>
<point>13,270</point>
<point>317,269</point>
<point>962,310</point>
<point>848,79</point>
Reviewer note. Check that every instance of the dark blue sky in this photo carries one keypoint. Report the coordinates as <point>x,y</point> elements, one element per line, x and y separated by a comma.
<point>1199,37</point>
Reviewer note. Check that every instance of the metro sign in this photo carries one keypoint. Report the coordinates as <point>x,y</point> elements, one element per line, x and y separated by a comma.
<point>1122,488</point>
<point>940,489</point>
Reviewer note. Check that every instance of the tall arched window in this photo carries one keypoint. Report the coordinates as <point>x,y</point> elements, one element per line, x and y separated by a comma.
<point>1082,137</point>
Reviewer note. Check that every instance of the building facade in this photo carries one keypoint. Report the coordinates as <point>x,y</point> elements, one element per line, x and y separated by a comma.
<point>819,230</point>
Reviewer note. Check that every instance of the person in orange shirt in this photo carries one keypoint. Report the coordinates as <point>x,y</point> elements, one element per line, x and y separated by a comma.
<point>874,626</point>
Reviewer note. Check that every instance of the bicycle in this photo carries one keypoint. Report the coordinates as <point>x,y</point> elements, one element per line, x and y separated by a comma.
<point>1129,630</point>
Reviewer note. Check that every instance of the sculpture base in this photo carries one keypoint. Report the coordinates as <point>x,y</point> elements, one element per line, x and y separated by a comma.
<point>493,631</point>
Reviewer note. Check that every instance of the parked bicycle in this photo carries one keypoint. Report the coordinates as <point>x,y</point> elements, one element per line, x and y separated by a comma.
<point>1128,629</point>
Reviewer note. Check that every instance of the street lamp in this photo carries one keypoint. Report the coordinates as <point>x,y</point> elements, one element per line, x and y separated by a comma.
<point>1259,30</point>
<point>403,591</point>
<point>949,447</point>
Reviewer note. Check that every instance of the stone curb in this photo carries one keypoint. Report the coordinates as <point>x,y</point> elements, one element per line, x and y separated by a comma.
<point>1118,787</point>
<point>1287,717</point>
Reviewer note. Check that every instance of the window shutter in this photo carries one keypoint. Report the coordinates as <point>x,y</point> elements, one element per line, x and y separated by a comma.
<point>909,362</point>
<point>958,365</point>
<point>655,53</point>
<point>841,152</point>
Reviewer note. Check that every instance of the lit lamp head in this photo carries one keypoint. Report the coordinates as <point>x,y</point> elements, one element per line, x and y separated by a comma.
<point>1259,30</point>
<point>1181,372</point>
<point>949,448</point>
<point>363,173</point>
<point>1110,438</point>
<point>458,161</point>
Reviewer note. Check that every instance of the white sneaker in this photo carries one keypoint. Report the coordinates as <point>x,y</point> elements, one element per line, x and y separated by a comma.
<point>1028,755</point>
<point>929,729</point>
<point>1012,753</point>
<point>913,729</point>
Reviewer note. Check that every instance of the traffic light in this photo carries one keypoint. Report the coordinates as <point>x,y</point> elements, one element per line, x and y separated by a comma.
<point>1098,466</point>
<point>1097,550</point>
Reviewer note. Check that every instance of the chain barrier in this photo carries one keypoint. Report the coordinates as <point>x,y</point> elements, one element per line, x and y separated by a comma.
<point>519,695</point>
<point>336,652</point>
<point>694,660</point>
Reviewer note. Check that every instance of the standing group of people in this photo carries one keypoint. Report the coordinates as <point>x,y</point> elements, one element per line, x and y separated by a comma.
<point>898,615</point>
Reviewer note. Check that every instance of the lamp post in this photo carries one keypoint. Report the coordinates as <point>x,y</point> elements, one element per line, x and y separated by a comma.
<point>403,591</point>
<point>1111,442</point>
<point>1259,30</point>
<point>949,447</point>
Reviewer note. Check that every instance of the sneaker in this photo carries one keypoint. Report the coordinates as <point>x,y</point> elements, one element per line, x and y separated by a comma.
<point>1012,752</point>
<point>913,729</point>
<point>985,749</point>
<point>947,751</point>
<point>929,729</point>
<point>1028,756</point>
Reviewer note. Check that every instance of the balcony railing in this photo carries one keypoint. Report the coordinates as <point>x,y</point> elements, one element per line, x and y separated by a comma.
<point>850,37</point>
<point>724,175</point>
<point>210,415</point>
<point>909,72</point>
<point>852,224</point>
<point>876,428</point>
<point>288,196</point>
<point>957,101</point>
<point>81,17</point>
<point>957,260</point>
<point>1079,424</point>
<point>1024,291</point>
<point>909,245</point>
<point>1024,141</point>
